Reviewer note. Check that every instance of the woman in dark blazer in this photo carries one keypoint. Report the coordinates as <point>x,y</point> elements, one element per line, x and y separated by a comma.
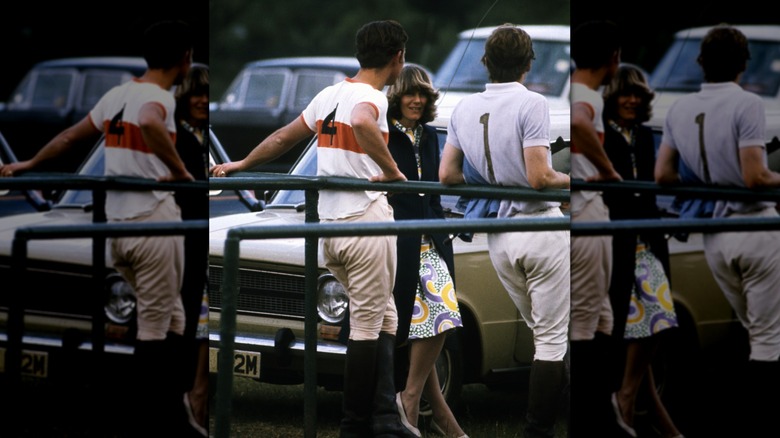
<point>424,285</point>
<point>640,295</point>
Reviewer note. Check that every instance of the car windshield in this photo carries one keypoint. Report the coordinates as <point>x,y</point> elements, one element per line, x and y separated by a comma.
<point>93,166</point>
<point>463,70</point>
<point>45,88</point>
<point>98,82</point>
<point>260,88</point>
<point>306,165</point>
<point>678,70</point>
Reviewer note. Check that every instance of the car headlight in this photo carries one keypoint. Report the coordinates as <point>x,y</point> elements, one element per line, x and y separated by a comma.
<point>120,299</point>
<point>332,300</point>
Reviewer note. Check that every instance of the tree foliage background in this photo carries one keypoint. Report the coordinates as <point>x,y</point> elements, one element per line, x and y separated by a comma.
<point>243,30</point>
<point>35,31</point>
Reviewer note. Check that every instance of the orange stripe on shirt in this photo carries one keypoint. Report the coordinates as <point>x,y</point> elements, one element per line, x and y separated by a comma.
<point>340,136</point>
<point>127,136</point>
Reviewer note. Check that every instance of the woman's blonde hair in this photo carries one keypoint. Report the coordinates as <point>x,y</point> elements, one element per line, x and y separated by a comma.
<point>411,80</point>
<point>628,80</point>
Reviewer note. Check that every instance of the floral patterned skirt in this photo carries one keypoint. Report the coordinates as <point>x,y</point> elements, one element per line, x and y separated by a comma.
<point>436,304</point>
<point>202,332</point>
<point>651,309</point>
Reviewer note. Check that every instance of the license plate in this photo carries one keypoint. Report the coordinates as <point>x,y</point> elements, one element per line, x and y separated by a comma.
<point>245,363</point>
<point>34,363</point>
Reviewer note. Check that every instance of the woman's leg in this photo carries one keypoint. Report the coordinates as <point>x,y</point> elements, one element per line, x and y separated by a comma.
<point>200,389</point>
<point>442,414</point>
<point>422,357</point>
<point>639,353</point>
<point>665,423</point>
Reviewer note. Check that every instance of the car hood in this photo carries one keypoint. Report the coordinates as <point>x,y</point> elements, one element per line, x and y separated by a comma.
<point>72,251</point>
<point>287,251</point>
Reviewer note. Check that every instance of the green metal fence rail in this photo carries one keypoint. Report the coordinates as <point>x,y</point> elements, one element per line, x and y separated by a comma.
<point>312,230</point>
<point>675,225</point>
<point>275,181</point>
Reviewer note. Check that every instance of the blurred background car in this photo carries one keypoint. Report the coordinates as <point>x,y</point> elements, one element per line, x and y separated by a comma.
<point>54,95</point>
<point>268,94</point>
<point>462,73</point>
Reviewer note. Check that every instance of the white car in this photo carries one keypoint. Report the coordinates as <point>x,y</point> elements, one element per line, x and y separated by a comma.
<point>678,73</point>
<point>462,73</point>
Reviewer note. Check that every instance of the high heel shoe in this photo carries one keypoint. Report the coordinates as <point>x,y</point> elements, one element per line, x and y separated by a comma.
<point>622,423</point>
<point>441,431</point>
<point>402,414</point>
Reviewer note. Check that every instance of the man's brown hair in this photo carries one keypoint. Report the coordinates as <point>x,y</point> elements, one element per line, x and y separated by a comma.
<point>508,53</point>
<point>378,41</point>
<point>724,54</point>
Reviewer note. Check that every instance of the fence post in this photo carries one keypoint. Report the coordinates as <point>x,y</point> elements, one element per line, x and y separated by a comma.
<point>310,323</point>
<point>227,338</point>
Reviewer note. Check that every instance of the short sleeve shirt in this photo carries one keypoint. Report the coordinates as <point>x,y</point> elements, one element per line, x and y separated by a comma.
<point>502,121</point>
<point>127,154</point>
<point>721,118</point>
<point>581,167</point>
<point>338,152</point>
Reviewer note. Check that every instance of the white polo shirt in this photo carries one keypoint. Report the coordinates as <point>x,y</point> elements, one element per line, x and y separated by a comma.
<point>338,152</point>
<point>508,117</point>
<point>721,118</point>
<point>581,167</point>
<point>116,115</point>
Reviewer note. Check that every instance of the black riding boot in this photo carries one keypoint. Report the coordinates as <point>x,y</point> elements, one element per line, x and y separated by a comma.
<point>589,389</point>
<point>160,387</point>
<point>359,385</point>
<point>759,398</point>
<point>544,396</point>
<point>386,421</point>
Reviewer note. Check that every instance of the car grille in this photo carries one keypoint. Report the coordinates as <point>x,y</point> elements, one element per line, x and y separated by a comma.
<point>262,292</point>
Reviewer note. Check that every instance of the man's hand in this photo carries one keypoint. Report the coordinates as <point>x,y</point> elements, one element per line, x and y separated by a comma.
<point>173,177</point>
<point>12,169</point>
<point>221,170</point>
<point>384,177</point>
<point>605,177</point>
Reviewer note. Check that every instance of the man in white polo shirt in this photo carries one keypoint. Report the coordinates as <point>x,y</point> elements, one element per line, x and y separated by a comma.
<point>719,133</point>
<point>504,132</point>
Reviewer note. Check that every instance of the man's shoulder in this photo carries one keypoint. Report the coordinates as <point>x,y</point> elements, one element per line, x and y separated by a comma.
<point>582,93</point>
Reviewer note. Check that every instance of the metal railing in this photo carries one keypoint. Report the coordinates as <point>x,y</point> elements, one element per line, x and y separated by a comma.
<point>311,230</point>
<point>669,225</point>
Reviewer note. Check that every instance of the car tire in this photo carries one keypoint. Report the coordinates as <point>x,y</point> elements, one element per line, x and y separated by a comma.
<point>449,368</point>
